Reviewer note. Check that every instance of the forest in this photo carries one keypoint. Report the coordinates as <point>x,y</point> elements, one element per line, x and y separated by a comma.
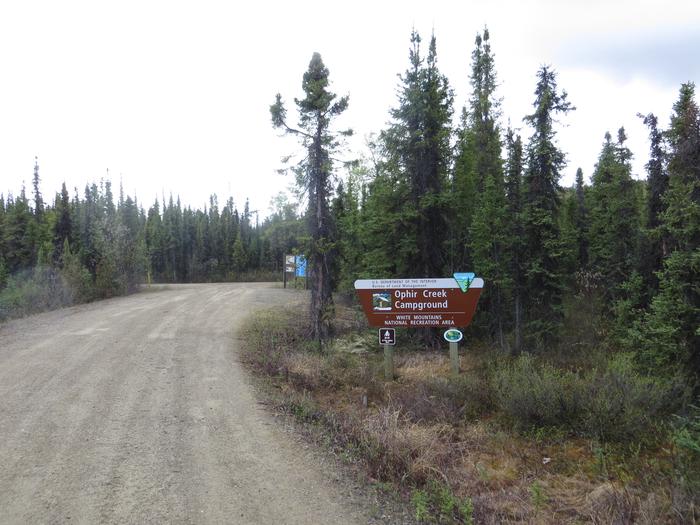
<point>433,193</point>
<point>85,247</point>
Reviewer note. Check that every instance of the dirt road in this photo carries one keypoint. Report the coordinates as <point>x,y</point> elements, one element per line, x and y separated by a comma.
<point>135,410</point>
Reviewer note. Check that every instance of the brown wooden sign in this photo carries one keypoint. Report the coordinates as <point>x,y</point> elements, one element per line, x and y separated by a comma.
<point>418,302</point>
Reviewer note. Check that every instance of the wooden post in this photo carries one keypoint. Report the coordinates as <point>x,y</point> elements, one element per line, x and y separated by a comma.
<point>454,358</point>
<point>389,362</point>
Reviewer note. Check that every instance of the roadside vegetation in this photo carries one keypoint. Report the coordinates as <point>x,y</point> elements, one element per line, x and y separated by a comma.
<point>578,399</point>
<point>542,438</point>
<point>74,250</point>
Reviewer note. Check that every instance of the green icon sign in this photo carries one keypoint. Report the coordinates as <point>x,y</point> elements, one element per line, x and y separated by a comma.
<point>453,335</point>
<point>464,280</point>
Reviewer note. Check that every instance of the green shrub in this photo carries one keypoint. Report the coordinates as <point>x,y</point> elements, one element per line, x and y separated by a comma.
<point>32,291</point>
<point>538,498</point>
<point>420,501</point>
<point>532,395</point>
<point>623,405</point>
<point>615,404</point>
<point>686,441</point>
<point>436,503</point>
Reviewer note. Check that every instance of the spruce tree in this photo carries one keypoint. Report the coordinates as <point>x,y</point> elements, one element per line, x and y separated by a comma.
<point>418,146</point>
<point>110,209</point>
<point>655,243</point>
<point>464,188</point>
<point>155,242</point>
<point>38,200</point>
<point>39,233</point>
<point>338,211</point>
<point>614,217</point>
<point>317,110</point>
<point>487,235</point>
<point>62,229</point>
<point>515,246</point>
<point>386,234</point>
<point>581,221</point>
<point>348,223</point>
<point>568,236</point>
<point>669,338</point>
<point>17,239</point>
<point>541,212</point>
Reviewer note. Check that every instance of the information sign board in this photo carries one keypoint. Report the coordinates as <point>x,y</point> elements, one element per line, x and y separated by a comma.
<point>289,263</point>
<point>418,303</point>
<point>300,263</point>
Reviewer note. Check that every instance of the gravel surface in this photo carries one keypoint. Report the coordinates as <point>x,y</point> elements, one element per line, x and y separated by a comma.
<point>135,410</point>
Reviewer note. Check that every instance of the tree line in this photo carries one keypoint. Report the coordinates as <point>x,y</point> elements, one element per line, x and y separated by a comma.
<point>433,194</point>
<point>91,245</point>
<point>431,198</point>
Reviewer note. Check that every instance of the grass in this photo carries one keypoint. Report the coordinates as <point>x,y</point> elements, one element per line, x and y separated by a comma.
<point>510,440</point>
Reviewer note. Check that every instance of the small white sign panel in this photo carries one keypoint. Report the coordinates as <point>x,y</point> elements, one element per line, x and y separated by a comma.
<point>387,336</point>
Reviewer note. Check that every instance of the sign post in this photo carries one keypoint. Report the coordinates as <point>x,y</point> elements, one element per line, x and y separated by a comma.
<point>289,267</point>
<point>388,362</point>
<point>420,303</point>
<point>300,270</point>
<point>453,336</point>
<point>454,358</point>
<point>387,338</point>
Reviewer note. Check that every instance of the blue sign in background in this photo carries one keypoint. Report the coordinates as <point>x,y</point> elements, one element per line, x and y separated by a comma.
<point>301,266</point>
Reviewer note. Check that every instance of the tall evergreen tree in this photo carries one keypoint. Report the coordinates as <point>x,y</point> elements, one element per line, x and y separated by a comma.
<point>464,188</point>
<point>478,154</point>
<point>346,209</point>
<point>17,241</point>
<point>386,233</point>
<point>155,242</point>
<point>63,227</point>
<point>669,336</point>
<point>541,211</point>
<point>614,217</point>
<point>316,111</point>
<point>38,200</point>
<point>487,234</point>
<point>418,145</point>
<point>655,242</point>
<point>515,244</point>
<point>581,220</point>
<point>110,209</point>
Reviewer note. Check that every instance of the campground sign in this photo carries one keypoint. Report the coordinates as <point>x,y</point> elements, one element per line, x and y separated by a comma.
<point>420,303</point>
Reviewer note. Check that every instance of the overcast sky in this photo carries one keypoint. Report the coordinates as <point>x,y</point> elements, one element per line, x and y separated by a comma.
<point>174,96</point>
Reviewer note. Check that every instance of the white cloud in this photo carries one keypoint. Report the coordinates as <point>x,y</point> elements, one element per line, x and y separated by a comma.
<point>174,96</point>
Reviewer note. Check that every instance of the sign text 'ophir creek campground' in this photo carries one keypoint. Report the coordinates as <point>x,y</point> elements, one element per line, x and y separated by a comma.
<point>438,302</point>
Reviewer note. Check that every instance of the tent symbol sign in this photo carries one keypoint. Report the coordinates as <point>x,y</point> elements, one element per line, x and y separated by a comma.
<point>387,336</point>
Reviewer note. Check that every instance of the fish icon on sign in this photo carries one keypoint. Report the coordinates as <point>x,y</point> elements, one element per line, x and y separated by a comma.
<point>387,336</point>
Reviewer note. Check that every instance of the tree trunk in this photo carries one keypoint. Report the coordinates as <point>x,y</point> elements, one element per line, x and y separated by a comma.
<point>319,267</point>
<point>518,329</point>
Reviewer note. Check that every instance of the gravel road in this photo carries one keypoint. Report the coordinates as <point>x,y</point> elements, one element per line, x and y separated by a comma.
<point>135,410</point>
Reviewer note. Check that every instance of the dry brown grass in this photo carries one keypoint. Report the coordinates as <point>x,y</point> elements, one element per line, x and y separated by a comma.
<point>406,449</point>
<point>427,427</point>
